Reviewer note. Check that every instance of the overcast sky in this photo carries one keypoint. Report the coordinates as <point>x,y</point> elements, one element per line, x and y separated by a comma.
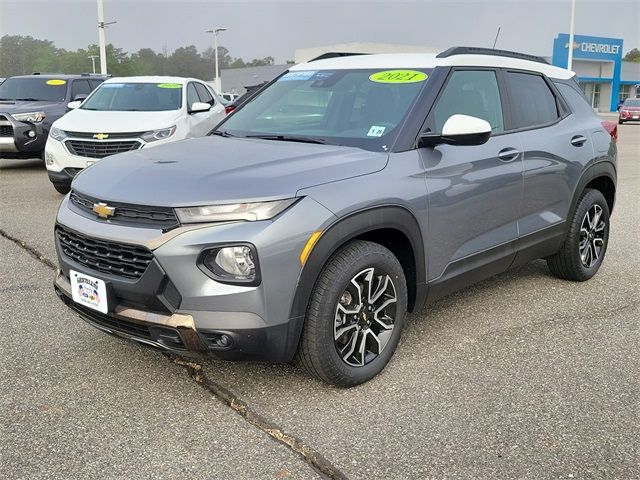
<point>260,28</point>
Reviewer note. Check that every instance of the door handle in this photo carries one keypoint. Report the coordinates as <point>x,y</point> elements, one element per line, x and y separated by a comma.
<point>578,140</point>
<point>508,154</point>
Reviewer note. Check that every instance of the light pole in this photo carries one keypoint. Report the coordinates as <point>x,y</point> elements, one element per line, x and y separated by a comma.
<point>101,40</point>
<point>93,62</point>
<point>215,31</point>
<point>571,34</point>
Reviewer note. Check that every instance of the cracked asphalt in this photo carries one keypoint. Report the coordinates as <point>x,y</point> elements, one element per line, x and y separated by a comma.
<point>520,376</point>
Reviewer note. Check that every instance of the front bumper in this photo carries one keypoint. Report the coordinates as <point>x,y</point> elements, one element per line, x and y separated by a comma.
<point>175,306</point>
<point>16,142</point>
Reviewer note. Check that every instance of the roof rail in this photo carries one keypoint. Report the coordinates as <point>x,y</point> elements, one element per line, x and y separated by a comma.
<point>489,51</point>
<point>335,55</point>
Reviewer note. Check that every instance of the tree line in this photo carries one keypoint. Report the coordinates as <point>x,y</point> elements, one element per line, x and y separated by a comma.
<point>22,55</point>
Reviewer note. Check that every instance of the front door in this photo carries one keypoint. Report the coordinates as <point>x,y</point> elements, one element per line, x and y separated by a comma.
<point>475,192</point>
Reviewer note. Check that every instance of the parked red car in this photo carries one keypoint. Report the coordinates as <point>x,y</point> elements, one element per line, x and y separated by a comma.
<point>629,110</point>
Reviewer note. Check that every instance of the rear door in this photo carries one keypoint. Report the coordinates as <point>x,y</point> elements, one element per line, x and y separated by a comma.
<point>557,145</point>
<point>475,192</point>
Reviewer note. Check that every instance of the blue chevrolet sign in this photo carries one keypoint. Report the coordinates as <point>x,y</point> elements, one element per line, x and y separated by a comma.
<point>592,48</point>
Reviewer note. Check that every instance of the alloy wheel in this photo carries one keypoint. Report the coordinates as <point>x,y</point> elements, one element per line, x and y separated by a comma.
<point>592,236</point>
<point>365,317</point>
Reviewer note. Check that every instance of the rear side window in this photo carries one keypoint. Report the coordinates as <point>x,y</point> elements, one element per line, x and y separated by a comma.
<point>533,102</point>
<point>80,87</point>
<point>575,99</point>
<point>474,93</point>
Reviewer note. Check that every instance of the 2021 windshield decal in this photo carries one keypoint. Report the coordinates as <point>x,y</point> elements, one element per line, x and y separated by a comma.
<point>398,76</point>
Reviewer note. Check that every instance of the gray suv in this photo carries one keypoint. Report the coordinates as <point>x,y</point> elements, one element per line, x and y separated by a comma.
<point>349,191</point>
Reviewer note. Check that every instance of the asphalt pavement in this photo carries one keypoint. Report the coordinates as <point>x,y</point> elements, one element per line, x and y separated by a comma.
<point>520,376</point>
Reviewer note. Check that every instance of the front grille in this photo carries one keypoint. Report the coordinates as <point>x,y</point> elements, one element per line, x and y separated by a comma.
<point>113,323</point>
<point>121,260</point>
<point>84,148</point>
<point>6,129</point>
<point>126,214</point>
<point>112,136</point>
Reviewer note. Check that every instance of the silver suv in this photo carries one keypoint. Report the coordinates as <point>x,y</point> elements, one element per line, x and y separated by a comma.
<point>350,190</point>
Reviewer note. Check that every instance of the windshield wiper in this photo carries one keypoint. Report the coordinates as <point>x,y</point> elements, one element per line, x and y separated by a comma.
<point>289,138</point>
<point>221,133</point>
<point>28,100</point>
<point>6,99</point>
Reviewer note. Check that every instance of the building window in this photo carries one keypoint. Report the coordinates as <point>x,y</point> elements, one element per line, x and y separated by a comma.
<point>592,93</point>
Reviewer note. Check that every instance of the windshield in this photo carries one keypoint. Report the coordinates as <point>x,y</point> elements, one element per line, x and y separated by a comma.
<point>361,108</point>
<point>632,102</point>
<point>135,97</point>
<point>33,89</point>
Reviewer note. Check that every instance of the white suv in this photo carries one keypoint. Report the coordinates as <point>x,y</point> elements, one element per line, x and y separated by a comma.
<point>126,114</point>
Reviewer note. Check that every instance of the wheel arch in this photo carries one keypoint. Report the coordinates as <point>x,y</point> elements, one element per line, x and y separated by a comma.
<point>600,176</point>
<point>392,226</point>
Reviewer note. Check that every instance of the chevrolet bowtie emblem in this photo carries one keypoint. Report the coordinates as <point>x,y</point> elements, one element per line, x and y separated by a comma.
<point>103,210</point>
<point>101,136</point>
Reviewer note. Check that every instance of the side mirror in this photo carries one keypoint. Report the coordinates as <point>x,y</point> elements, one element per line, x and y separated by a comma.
<point>459,130</point>
<point>80,97</point>
<point>197,107</point>
<point>73,105</point>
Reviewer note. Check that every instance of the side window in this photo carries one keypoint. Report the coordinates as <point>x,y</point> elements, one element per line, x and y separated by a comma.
<point>192,95</point>
<point>94,84</point>
<point>470,92</point>
<point>533,101</point>
<point>204,94</point>
<point>80,87</point>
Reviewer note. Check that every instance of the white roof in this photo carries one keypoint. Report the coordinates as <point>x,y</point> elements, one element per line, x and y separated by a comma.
<point>149,79</point>
<point>429,60</point>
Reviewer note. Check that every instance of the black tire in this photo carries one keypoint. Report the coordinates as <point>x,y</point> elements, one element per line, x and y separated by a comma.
<point>62,188</point>
<point>567,263</point>
<point>318,350</point>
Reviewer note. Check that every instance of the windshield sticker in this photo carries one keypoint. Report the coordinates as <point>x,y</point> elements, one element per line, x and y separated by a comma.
<point>302,75</point>
<point>56,82</point>
<point>376,131</point>
<point>398,76</point>
<point>170,85</point>
<point>112,85</point>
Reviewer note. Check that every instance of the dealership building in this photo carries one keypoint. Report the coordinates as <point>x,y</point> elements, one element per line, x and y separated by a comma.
<point>604,78</point>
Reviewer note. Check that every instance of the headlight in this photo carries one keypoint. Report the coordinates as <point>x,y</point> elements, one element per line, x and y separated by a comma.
<point>32,117</point>
<point>57,134</point>
<point>232,264</point>
<point>250,212</point>
<point>161,134</point>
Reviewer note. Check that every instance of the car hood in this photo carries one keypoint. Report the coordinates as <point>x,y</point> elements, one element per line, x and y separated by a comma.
<point>94,121</point>
<point>24,107</point>
<point>213,170</point>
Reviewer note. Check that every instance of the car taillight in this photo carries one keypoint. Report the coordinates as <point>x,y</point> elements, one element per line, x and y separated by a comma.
<point>229,108</point>
<point>612,128</point>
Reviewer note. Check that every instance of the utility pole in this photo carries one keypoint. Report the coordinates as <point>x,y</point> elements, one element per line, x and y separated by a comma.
<point>93,62</point>
<point>571,35</point>
<point>101,40</point>
<point>217,82</point>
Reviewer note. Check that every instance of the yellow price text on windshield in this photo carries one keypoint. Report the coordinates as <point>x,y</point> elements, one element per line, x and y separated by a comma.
<point>398,76</point>
<point>169,85</point>
<point>56,82</point>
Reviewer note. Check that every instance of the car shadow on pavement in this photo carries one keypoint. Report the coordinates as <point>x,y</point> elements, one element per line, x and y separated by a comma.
<point>18,164</point>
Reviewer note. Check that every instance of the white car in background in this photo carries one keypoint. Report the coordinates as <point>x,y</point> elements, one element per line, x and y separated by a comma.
<point>125,114</point>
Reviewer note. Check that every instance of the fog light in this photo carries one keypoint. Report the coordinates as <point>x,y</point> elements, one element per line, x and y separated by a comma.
<point>232,264</point>
<point>49,158</point>
<point>31,134</point>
